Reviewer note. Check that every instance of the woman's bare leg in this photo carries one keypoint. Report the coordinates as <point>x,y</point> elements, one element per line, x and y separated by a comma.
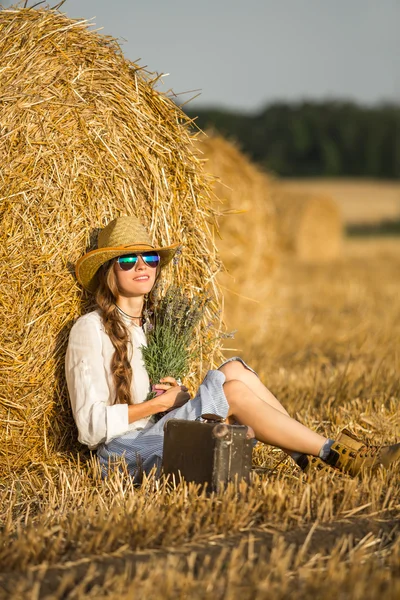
<point>236,370</point>
<point>270,425</point>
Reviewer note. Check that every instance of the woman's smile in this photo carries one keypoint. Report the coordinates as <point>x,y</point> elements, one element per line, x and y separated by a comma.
<point>141,278</point>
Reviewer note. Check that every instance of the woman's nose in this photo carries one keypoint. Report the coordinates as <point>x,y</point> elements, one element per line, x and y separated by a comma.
<point>140,263</point>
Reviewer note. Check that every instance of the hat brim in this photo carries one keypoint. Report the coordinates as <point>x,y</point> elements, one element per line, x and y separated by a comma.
<point>87,266</point>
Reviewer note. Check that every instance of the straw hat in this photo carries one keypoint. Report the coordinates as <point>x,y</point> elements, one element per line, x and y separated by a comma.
<point>123,235</point>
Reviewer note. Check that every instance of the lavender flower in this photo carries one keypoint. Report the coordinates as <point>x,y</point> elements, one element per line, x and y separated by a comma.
<point>169,349</point>
<point>229,335</point>
<point>177,255</point>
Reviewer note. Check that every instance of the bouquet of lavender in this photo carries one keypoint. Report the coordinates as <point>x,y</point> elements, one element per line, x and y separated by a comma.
<point>169,347</point>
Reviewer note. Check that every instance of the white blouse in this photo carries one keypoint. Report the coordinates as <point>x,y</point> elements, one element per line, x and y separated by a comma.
<point>90,381</point>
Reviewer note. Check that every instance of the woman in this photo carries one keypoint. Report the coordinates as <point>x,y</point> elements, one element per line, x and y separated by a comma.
<point>107,380</point>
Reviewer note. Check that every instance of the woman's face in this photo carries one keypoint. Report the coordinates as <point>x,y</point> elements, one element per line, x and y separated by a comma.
<point>137,281</point>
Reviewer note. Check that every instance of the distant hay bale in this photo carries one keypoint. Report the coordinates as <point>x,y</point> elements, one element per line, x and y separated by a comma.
<point>246,225</point>
<point>84,137</point>
<point>308,226</point>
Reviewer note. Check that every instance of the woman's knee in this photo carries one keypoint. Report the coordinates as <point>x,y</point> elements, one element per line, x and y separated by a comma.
<point>233,370</point>
<point>235,390</point>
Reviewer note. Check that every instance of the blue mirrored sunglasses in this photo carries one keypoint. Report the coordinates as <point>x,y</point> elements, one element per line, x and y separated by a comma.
<point>127,262</point>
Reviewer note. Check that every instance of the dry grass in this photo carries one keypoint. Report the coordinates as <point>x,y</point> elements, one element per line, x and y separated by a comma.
<point>246,219</point>
<point>360,201</point>
<point>275,541</point>
<point>331,355</point>
<point>243,574</point>
<point>78,516</point>
<point>85,137</point>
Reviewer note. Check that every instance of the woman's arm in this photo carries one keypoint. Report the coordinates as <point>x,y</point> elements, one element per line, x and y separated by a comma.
<point>97,419</point>
<point>142,410</point>
<point>174,397</point>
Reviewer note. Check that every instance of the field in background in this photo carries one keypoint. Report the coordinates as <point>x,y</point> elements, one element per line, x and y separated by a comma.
<point>326,343</point>
<point>361,201</point>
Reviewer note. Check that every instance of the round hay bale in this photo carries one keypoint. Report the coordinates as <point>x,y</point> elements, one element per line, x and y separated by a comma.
<point>85,137</point>
<point>309,227</point>
<point>246,225</point>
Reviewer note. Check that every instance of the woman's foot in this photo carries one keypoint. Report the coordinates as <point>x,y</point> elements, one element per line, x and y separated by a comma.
<point>313,465</point>
<point>350,455</point>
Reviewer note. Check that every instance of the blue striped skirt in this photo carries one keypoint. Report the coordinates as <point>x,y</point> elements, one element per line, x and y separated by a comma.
<point>142,449</point>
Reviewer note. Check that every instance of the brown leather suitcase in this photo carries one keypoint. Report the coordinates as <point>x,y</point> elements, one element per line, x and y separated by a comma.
<point>206,452</point>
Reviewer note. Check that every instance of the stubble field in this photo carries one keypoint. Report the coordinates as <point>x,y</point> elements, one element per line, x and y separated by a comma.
<point>326,343</point>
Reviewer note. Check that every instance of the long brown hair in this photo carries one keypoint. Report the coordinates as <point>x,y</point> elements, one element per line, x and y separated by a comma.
<point>106,297</point>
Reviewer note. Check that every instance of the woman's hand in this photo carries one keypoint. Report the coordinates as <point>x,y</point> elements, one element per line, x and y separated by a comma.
<point>169,381</point>
<point>174,397</point>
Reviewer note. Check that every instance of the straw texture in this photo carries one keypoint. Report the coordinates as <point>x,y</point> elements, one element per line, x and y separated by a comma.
<point>85,137</point>
<point>246,222</point>
<point>309,226</point>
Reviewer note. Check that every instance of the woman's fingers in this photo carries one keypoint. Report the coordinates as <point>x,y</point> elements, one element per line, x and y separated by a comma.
<point>170,380</point>
<point>163,386</point>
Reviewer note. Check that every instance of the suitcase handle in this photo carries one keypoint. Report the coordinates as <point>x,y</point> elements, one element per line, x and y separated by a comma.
<point>212,418</point>
<point>218,420</point>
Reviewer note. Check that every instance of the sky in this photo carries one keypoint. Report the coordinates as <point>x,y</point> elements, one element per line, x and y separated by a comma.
<point>244,54</point>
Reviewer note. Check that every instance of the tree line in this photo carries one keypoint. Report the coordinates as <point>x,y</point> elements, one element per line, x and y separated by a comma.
<point>315,138</point>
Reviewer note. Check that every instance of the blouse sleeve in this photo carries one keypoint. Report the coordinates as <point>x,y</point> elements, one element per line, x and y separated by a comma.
<point>97,421</point>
